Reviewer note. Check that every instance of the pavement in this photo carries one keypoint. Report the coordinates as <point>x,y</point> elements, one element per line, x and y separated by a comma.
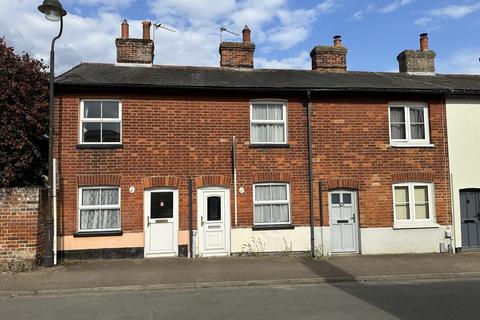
<point>173,273</point>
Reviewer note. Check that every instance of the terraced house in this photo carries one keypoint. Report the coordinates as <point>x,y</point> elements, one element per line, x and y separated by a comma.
<point>176,160</point>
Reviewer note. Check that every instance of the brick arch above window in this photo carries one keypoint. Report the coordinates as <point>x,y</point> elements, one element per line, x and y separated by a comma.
<point>342,183</point>
<point>217,180</point>
<point>98,180</point>
<point>413,176</point>
<point>157,182</point>
<point>271,177</point>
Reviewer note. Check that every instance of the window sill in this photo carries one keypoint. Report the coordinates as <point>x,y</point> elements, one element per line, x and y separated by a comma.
<point>82,234</point>
<point>100,146</point>
<point>416,226</point>
<point>269,145</point>
<point>411,145</point>
<point>273,227</point>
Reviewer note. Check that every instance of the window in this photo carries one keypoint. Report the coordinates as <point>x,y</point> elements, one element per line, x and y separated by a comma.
<point>99,209</point>
<point>100,122</point>
<point>271,203</point>
<point>413,205</point>
<point>408,124</point>
<point>268,122</point>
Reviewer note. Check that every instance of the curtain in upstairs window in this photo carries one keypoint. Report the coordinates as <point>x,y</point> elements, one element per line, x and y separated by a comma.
<point>417,123</point>
<point>397,121</point>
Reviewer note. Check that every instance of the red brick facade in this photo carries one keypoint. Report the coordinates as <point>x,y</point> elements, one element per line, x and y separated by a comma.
<point>22,225</point>
<point>168,138</point>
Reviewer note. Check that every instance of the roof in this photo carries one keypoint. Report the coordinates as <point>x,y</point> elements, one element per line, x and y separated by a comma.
<point>97,75</point>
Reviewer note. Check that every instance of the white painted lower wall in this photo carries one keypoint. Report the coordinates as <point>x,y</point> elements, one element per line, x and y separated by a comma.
<point>245,239</point>
<point>390,241</point>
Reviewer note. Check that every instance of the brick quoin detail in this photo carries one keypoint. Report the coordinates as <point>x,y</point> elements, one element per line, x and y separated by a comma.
<point>342,183</point>
<point>157,182</point>
<point>206,181</point>
<point>413,177</point>
<point>99,180</point>
<point>271,177</point>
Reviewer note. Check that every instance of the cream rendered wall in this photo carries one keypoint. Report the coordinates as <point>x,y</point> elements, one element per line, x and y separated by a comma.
<point>463,126</point>
<point>297,239</point>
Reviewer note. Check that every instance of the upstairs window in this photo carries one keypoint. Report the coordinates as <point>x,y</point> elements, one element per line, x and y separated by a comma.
<point>408,124</point>
<point>100,122</point>
<point>268,122</point>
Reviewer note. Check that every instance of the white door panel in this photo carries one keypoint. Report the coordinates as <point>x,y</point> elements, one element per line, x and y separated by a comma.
<point>214,221</point>
<point>343,221</point>
<point>161,223</point>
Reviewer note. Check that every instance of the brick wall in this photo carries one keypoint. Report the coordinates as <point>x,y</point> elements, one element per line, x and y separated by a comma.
<point>168,135</point>
<point>352,150</point>
<point>22,225</point>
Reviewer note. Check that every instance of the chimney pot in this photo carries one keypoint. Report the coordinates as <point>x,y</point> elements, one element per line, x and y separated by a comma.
<point>337,41</point>
<point>424,41</point>
<point>125,30</point>
<point>246,34</point>
<point>146,29</point>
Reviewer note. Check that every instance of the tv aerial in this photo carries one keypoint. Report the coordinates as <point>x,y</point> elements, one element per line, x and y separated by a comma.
<point>157,26</point>
<point>224,29</point>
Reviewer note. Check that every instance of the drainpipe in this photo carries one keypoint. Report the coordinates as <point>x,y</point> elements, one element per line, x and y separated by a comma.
<point>190,215</point>
<point>320,203</point>
<point>310,175</point>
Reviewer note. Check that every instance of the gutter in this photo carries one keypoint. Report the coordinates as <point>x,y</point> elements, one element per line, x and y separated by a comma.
<point>310,175</point>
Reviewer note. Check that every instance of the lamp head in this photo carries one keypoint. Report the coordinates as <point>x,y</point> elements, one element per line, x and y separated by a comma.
<point>52,9</point>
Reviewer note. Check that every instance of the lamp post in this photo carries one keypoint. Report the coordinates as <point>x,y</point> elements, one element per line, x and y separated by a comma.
<point>53,11</point>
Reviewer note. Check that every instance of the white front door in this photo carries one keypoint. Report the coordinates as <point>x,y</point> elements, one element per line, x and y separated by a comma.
<point>161,223</point>
<point>213,222</point>
<point>343,221</point>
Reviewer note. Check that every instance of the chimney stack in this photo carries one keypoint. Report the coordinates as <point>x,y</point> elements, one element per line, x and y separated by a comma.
<point>420,62</point>
<point>135,51</point>
<point>238,54</point>
<point>146,29</point>
<point>330,58</point>
<point>125,29</point>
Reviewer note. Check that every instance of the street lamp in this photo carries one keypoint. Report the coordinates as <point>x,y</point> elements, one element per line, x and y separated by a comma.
<point>53,11</point>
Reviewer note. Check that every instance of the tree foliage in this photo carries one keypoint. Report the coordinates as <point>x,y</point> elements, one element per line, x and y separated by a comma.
<point>23,119</point>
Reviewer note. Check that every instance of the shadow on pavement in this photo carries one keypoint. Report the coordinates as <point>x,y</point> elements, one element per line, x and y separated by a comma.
<point>407,299</point>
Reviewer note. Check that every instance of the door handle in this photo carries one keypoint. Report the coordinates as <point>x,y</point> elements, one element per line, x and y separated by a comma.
<point>469,221</point>
<point>201,220</point>
<point>353,217</point>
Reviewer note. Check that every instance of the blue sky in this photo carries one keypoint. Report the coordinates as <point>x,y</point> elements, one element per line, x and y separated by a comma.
<point>284,31</point>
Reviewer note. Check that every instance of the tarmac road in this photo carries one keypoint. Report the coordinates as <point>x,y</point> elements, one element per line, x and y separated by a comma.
<point>447,299</point>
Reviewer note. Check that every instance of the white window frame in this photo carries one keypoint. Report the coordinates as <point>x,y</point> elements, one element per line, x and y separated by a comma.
<point>255,202</point>
<point>284,121</point>
<point>413,222</point>
<point>100,120</point>
<point>87,207</point>
<point>408,141</point>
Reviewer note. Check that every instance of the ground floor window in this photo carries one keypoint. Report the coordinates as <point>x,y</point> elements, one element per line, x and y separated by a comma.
<point>413,204</point>
<point>99,209</point>
<point>271,202</point>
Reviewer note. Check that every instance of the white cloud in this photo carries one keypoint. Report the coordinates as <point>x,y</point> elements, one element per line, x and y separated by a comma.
<point>463,61</point>
<point>451,11</point>
<point>91,27</point>
<point>394,5</point>
<point>300,61</point>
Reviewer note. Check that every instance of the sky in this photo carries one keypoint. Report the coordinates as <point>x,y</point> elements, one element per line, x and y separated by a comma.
<point>284,31</point>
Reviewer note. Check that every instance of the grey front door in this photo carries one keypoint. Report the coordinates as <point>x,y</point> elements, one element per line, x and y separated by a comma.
<point>343,221</point>
<point>470,213</point>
